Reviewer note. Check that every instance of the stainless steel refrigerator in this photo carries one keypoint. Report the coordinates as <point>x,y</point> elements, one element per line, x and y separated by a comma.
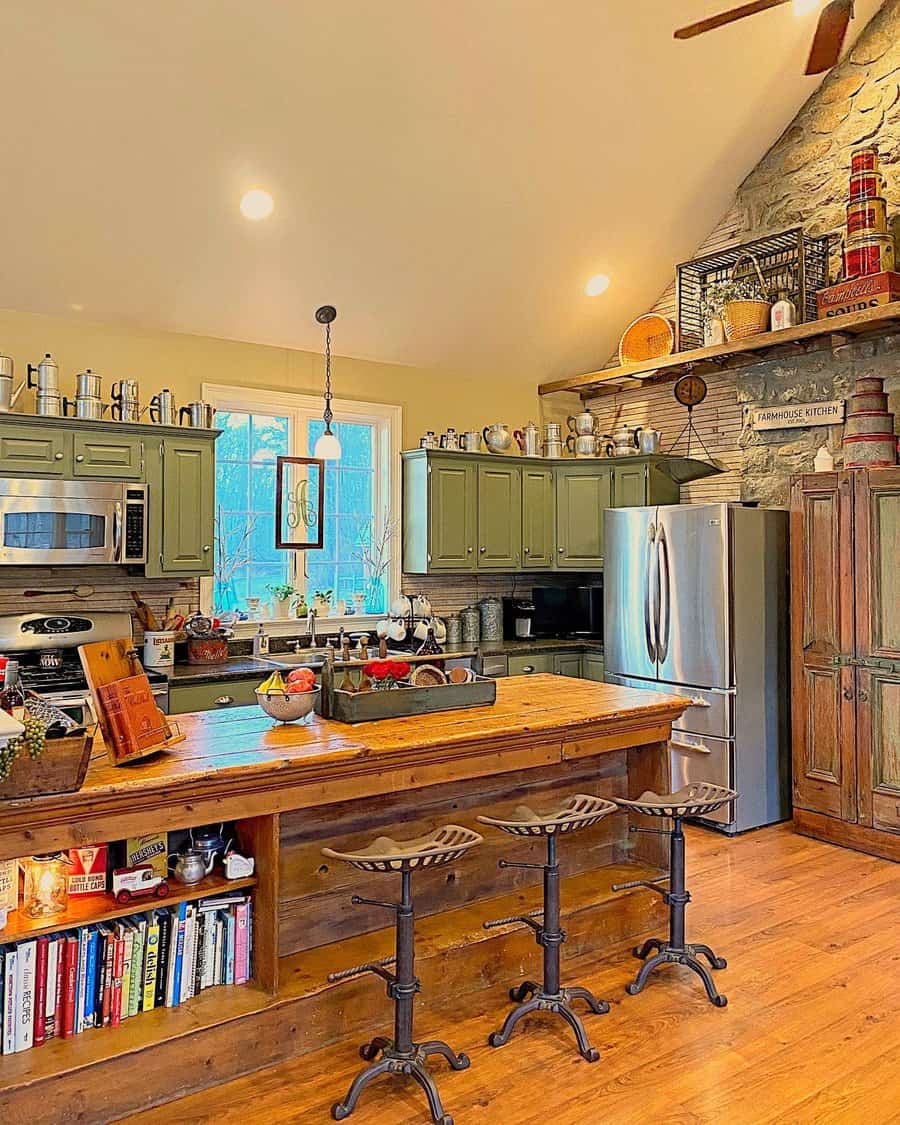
<point>696,603</point>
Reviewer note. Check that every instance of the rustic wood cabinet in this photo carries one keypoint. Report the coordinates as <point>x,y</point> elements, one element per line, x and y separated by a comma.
<point>845,656</point>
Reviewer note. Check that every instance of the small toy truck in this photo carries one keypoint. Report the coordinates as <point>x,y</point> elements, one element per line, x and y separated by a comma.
<point>137,882</point>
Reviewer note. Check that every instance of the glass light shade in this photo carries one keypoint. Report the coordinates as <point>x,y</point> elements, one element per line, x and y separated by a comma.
<point>328,448</point>
<point>46,885</point>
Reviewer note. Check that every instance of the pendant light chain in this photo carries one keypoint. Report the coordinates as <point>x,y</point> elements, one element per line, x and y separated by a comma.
<point>328,415</point>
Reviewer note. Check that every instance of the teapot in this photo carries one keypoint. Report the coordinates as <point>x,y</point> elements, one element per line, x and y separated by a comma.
<point>189,866</point>
<point>529,440</point>
<point>626,440</point>
<point>582,423</point>
<point>208,842</point>
<point>497,437</point>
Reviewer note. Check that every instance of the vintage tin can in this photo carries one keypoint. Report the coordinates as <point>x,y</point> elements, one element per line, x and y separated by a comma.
<point>858,293</point>
<point>864,159</point>
<point>866,185</point>
<point>870,451</point>
<point>866,254</point>
<point>867,216</point>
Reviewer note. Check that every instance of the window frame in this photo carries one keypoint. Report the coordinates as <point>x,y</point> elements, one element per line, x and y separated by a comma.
<point>299,408</point>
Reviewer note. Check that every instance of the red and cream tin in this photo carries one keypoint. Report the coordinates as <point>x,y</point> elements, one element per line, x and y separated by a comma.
<point>867,216</point>
<point>864,159</point>
<point>866,185</point>
<point>870,451</point>
<point>867,254</point>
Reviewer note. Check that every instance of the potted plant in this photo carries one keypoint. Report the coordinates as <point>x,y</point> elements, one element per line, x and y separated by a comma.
<point>282,593</point>
<point>322,602</point>
<point>741,303</point>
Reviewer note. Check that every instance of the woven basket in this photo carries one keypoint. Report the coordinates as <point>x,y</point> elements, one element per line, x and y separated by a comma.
<point>747,318</point>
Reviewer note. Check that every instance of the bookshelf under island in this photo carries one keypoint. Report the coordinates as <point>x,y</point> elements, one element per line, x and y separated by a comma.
<point>290,790</point>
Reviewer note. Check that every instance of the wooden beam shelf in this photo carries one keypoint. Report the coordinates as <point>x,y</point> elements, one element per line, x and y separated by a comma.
<point>815,335</point>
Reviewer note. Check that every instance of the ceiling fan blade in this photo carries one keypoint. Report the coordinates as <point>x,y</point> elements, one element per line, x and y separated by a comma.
<point>727,17</point>
<point>829,37</point>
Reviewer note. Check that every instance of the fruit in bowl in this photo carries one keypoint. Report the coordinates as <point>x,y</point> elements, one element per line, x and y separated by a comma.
<point>290,701</point>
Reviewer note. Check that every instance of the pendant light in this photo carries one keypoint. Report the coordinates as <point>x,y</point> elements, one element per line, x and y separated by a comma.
<point>328,448</point>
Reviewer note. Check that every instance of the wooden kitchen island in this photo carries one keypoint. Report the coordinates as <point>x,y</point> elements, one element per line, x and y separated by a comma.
<point>292,790</point>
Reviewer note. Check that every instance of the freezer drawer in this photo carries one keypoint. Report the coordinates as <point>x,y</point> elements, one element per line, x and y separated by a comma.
<point>710,713</point>
<point>693,759</point>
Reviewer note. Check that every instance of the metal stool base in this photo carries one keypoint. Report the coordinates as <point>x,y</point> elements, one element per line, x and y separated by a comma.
<point>668,954</point>
<point>560,1004</point>
<point>408,1063</point>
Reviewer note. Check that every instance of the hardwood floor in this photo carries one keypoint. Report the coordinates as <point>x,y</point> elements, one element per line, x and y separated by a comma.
<point>811,1033</point>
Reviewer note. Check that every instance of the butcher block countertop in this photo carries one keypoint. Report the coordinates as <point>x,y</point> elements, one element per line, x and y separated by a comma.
<point>239,763</point>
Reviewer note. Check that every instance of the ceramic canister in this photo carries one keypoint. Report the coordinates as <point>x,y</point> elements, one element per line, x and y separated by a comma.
<point>159,648</point>
<point>471,625</point>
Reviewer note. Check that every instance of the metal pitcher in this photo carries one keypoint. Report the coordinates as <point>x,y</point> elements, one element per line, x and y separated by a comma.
<point>91,409</point>
<point>497,437</point>
<point>428,440</point>
<point>529,440</point>
<point>582,445</point>
<point>201,415</point>
<point>450,440</point>
<point>649,440</point>
<point>126,406</point>
<point>47,372</point>
<point>8,396</point>
<point>163,410</point>
<point>582,423</point>
<point>626,440</point>
<point>470,441</point>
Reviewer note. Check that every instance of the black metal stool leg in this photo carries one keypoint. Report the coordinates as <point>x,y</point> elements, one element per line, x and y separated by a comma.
<point>523,991</point>
<point>421,1075</point>
<point>641,951</point>
<point>588,1053</point>
<point>703,973</point>
<point>598,1007</point>
<point>646,969</point>
<point>459,1061</point>
<point>343,1109</point>
<point>501,1038</point>
<point>371,1050</point>
<point>716,962</point>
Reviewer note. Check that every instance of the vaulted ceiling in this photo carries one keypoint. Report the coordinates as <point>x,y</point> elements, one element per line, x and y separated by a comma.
<point>448,174</point>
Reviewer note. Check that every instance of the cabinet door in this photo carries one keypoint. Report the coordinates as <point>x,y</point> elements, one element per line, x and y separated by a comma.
<point>629,485</point>
<point>187,509</point>
<point>529,665</point>
<point>878,643</point>
<point>593,667</point>
<point>25,452</point>
<point>582,496</point>
<point>822,627</point>
<point>538,518</point>
<point>451,514</point>
<point>499,517</point>
<point>119,458</point>
<point>567,664</point>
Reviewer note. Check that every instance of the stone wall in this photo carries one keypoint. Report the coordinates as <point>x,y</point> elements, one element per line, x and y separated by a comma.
<point>803,181</point>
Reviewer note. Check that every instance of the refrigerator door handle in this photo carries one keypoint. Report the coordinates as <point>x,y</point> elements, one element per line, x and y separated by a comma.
<point>650,610</point>
<point>664,617</point>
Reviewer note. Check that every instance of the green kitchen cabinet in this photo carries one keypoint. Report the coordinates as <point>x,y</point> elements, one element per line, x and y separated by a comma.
<point>567,664</point>
<point>530,664</point>
<point>593,666</point>
<point>119,457</point>
<point>181,479</point>
<point>538,518</point>
<point>440,513</point>
<point>629,485</point>
<point>499,516</point>
<point>34,452</point>
<point>213,697</point>
<point>583,493</point>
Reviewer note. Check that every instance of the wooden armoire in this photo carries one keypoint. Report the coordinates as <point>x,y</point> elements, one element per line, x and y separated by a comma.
<point>845,657</point>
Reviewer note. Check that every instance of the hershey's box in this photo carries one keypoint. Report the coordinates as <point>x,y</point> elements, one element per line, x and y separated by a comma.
<point>152,848</point>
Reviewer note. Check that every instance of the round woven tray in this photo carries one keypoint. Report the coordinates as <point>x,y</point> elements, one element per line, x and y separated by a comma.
<point>649,337</point>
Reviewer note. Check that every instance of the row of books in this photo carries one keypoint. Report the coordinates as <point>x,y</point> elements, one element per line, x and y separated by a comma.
<point>59,985</point>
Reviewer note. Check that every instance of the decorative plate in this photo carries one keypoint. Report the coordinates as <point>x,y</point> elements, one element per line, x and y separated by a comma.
<point>426,675</point>
<point>649,337</point>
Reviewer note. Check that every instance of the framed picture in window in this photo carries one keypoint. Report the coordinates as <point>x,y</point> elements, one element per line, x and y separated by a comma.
<point>299,503</point>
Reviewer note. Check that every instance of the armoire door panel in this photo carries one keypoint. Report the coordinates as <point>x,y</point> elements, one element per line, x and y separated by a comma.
<point>878,728</point>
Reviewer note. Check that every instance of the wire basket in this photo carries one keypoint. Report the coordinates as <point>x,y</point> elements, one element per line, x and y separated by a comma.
<point>792,262</point>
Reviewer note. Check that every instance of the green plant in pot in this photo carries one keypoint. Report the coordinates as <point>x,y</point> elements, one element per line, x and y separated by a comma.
<point>282,593</point>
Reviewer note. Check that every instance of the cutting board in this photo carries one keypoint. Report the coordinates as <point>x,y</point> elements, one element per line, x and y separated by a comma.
<point>106,662</point>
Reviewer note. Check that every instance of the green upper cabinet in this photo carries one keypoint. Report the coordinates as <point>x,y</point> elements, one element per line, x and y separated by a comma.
<point>499,516</point>
<point>583,493</point>
<point>181,476</point>
<point>119,457</point>
<point>452,499</point>
<point>538,518</point>
<point>31,452</point>
<point>629,485</point>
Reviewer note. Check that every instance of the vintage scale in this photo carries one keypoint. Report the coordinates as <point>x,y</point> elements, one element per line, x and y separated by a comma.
<point>690,391</point>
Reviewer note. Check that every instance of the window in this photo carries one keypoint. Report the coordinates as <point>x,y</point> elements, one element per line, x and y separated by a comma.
<point>361,500</point>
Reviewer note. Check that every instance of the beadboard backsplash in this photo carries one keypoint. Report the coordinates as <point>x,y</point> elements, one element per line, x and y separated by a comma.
<point>451,593</point>
<point>112,591</point>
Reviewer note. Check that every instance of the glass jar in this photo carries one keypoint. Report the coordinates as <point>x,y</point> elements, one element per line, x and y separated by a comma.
<point>471,625</point>
<point>46,885</point>
<point>491,619</point>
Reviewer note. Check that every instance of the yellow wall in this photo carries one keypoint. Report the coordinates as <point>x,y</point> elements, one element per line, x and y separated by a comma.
<point>431,398</point>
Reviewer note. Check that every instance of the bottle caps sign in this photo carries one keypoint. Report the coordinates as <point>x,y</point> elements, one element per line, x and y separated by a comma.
<point>796,414</point>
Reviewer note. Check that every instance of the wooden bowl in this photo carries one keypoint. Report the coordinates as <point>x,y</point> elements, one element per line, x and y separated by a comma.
<point>649,337</point>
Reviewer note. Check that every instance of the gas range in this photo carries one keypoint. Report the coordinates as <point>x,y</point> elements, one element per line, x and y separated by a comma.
<point>28,637</point>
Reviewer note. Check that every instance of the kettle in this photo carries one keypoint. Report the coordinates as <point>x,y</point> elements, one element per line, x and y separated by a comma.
<point>529,440</point>
<point>626,440</point>
<point>209,843</point>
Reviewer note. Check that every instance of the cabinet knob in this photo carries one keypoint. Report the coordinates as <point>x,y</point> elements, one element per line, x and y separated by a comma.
<point>528,669</point>
<point>79,457</point>
<point>206,548</point>
<point>468,550</point>
<point>224,700</point>
<point>526,550</point>
<point>848,693</point>
<point>481,550</point>
<point>561,550</point>
<point>862,696</point>
<point>58,456</point>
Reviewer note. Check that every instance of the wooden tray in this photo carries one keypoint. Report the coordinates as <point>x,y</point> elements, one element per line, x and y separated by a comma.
<point>367,706</point>
<point>60,768</point>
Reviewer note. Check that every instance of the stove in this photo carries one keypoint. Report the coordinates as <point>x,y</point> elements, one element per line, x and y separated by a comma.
<point>29,636</point>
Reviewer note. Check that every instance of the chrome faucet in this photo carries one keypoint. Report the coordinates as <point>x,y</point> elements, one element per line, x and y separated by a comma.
<point>311,626</point>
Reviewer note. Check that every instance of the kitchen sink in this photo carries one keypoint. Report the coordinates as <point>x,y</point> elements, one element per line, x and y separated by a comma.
<point>311,658</point>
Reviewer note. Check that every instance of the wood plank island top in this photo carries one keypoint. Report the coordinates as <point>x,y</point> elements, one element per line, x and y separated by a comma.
<point>240,763</point>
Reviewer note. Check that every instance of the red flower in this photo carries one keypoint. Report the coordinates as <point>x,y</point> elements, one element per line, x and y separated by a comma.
<point>378,669</point>
<point>401,669</point>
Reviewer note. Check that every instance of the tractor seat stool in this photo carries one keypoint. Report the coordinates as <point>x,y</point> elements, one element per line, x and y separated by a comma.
<point>693,800</point>
<point>401,1055</point>
<point>574,813</point>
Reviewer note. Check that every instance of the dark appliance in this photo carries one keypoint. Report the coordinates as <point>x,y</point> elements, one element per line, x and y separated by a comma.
<point>518,619</point>
<point>568,611</point>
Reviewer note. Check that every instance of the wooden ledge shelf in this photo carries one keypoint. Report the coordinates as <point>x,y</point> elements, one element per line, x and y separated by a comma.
<point>89,909</point>
<point>815,335</point>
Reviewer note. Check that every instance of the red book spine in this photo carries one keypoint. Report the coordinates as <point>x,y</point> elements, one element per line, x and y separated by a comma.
<point>69,979</point>
<point>118,970</point>
<point>40,991</point>
<point>108,979</point>
<point>60,986</point>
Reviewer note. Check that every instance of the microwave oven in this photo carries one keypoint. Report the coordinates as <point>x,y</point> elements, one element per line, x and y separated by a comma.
<point>72,523</point>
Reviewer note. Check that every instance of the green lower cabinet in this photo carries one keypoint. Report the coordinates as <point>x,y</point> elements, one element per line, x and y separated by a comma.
<point>583,493</point>
<point>567,664</point>
<point>213,697</point>
<point>34,453</point>
<point>499,517</point>
<point>530,665</point>
<point>593,667</point>
<point>181,478</point>
<point>99,456</point>
<point>538,518</point>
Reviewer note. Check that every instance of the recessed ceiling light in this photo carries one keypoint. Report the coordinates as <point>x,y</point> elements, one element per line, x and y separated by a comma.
<point>77,308</point>
<point>257,204</point>
<point>597,285</point>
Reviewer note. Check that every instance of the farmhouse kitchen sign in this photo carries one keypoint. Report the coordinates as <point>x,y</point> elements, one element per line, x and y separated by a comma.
<point>798,414</point>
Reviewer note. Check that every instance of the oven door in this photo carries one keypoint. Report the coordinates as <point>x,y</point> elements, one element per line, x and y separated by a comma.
<point>54,530</point>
